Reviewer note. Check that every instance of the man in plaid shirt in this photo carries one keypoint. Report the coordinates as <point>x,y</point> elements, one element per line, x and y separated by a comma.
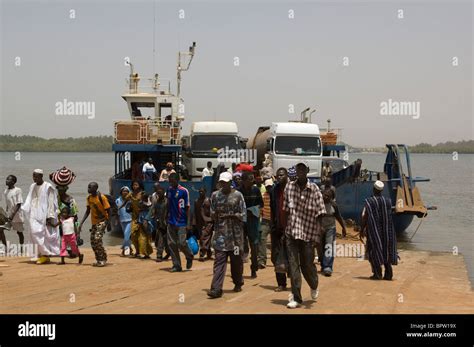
<point>304,206</point>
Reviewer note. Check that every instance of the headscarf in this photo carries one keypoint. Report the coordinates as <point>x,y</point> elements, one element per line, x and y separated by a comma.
<point>124,188</point>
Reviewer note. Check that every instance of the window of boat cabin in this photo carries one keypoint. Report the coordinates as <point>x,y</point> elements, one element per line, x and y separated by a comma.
<point>143,109</point>
<point>165,111</point>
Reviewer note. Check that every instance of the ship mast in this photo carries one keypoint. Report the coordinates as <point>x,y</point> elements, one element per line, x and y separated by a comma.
<point>190,54</point>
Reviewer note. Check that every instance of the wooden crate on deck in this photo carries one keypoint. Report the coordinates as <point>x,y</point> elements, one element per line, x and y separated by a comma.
<point>159,133</point>
<point>127,132</point>
<point>329,138</point>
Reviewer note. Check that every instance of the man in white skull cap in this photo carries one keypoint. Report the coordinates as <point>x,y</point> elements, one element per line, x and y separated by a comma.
<point>41,210</point>
<point>377,226</point>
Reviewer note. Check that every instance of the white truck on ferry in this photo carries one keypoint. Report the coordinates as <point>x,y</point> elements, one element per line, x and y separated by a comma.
<point>283,144</point>
<point>205,141</point>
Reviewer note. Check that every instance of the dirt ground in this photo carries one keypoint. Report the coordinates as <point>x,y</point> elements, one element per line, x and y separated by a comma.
<point>424,282</point>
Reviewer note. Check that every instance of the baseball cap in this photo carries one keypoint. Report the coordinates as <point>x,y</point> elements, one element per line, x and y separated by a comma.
<point>225,177</point>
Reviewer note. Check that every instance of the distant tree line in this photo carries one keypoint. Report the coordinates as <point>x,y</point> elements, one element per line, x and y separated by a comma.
<point>446,147</point>
<point>9,143</point>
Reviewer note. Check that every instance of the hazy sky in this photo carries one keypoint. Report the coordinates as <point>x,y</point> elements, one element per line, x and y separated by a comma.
<point>283,61</point>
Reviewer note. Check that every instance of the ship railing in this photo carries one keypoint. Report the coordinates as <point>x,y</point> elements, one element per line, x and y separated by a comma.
<point>147,131</point>
<point>149,85</point>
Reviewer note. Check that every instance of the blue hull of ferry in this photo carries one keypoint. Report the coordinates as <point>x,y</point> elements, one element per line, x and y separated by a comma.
<point>351,189</point>
<point>192,187</point>
<point>351,198</point>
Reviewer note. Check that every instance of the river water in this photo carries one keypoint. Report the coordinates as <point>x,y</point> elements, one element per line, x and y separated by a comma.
<point>451,189</point>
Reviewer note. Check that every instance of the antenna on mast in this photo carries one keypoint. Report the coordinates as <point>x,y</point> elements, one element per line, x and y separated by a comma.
<point>154,30</point>
<point>179,68</point>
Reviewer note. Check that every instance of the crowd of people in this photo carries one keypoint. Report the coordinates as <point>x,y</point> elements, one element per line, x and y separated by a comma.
<point>233,223</point>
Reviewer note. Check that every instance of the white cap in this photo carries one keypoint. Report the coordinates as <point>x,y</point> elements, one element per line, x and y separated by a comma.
<point>378,185</point>
<point>268,182</point>
<point>225,177</point>
<point>38,171</point>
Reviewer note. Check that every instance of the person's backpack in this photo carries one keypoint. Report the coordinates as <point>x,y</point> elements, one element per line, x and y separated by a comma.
<point>99,194</point>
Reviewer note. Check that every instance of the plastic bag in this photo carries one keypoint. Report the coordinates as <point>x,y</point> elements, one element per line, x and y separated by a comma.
<point>193,245</point>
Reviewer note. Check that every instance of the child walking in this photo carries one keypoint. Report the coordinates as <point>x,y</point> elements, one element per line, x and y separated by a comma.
<point>69,232</point>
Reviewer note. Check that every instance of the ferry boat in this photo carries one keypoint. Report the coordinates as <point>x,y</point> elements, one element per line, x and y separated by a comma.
<point>153,130</point>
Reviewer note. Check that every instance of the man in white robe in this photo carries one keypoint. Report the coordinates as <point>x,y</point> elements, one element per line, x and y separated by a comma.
<point>41,211</point>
